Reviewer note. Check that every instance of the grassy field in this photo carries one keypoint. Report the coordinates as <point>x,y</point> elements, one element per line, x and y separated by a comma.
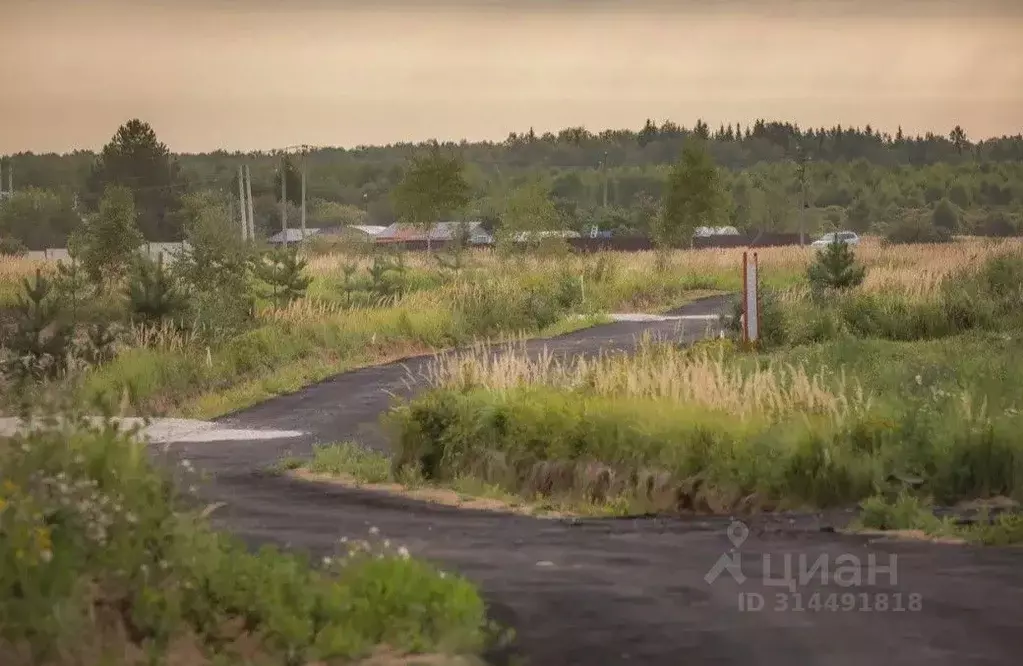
<point>907,382</point>
<point>358,312</point>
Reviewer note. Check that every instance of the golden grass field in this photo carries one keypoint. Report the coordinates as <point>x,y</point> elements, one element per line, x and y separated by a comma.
<point>322,333</point>
<point>916,269</point>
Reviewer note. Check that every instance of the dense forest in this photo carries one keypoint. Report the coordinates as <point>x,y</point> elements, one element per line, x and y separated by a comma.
<point>855,178</point>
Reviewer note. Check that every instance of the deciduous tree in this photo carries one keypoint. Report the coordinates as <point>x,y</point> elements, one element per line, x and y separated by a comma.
<point>433,186</point>
<point>108,240</point>
<point>694,197</point>
<point>39,218</point>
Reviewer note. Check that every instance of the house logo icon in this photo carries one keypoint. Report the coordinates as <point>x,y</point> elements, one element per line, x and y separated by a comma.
<point>731,561</point>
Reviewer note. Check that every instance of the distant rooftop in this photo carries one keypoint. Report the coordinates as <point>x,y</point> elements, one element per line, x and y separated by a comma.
<point>293,235</point>
<point>441,231</point>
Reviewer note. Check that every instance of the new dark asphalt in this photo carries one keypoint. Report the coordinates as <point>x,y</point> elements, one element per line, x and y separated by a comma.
<point>630,591</point>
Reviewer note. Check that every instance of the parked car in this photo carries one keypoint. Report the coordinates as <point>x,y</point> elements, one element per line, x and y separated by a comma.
<point>846,237</point>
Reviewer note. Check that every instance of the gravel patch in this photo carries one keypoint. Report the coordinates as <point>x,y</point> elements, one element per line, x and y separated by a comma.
<point>165,431</point>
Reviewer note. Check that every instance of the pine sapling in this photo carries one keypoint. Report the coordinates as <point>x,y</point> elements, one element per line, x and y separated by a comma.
<point>835,267</point>
<point>42,337</point>
<point>152,293</point>
<point>283,271</point>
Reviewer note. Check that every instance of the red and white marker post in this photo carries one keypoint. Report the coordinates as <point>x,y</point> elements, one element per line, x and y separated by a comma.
<point>750,299</point>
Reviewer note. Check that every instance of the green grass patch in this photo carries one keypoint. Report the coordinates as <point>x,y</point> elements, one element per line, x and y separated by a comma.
<point>907,512</point>
<point>348,458</point>
<point>351,463</point>
<point>945,411</point>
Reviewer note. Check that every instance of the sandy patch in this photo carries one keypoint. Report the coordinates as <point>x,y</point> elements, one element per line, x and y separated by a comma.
<point>384,657</point>
<point>166,431</point>
<point>640,317</point>
<point>430,494</point>
<point>909,535</point>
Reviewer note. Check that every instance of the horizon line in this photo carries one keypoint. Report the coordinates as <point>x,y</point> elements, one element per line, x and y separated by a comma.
<point>539,133</point>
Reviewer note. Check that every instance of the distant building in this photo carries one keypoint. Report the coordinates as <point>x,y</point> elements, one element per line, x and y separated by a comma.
<point>355,231</point>
<point>293,236</point>
<point>716,231</point>
<point>526,236</point>
<point>439,232</point>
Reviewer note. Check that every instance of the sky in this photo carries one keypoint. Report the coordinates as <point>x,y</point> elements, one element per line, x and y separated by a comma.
<point>262,74</point>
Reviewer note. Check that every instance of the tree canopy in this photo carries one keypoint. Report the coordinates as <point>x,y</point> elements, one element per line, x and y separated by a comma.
<point>694,197</point>
<point>431,188</point>
<point>134,158</point>
<point>858,178</point>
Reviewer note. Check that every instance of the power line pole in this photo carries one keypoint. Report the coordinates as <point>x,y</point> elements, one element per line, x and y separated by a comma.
<point>284,199</point>
<point>10,177</point>
<point>241,203</point>
<point>303,194</point>
<point>248,202</point>
<point>802,203</point>
<point>605,179</point>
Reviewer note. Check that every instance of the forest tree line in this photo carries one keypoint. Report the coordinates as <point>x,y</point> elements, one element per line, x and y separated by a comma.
<point>776,177</point>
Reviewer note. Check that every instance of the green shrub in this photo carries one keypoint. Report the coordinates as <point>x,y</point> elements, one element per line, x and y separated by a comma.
<point>12,247</point>
<point>915,229</point>
<point>905,512</point>
<point>998,224</point>
<point>946,217</point>
<point>93,533</point>
<point>153,295</point>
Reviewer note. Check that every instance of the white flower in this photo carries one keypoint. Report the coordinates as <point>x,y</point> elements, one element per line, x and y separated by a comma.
<point>326,561</point>
<point>387,543</point>
<point>343,539</point>
<point>374,530</point>
<point>403,553</point>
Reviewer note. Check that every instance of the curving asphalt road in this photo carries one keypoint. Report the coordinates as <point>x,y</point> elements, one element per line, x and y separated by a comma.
<point>631,591</point>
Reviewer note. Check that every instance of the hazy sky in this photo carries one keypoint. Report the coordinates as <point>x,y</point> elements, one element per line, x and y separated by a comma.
<point>262,74</point>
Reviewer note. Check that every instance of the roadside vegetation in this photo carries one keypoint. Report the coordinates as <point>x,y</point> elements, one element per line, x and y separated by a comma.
<point>901,378</point>
<point>102,561</point>
<point>162,344</point>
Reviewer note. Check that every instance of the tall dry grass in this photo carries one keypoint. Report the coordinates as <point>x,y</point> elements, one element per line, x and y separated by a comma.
<point>910,268</point>
<point>657,371</point>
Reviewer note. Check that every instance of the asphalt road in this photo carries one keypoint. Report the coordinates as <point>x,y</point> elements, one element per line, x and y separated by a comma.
<point>631,591</point>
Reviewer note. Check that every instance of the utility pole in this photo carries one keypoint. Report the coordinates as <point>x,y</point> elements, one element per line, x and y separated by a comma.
<point>284,198</point>
<point>248,204</point>
<point>605,180</point>
<point>10,177</point>
<point>241,203</point>
<point>303,194</point>
<point>802,204</point>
